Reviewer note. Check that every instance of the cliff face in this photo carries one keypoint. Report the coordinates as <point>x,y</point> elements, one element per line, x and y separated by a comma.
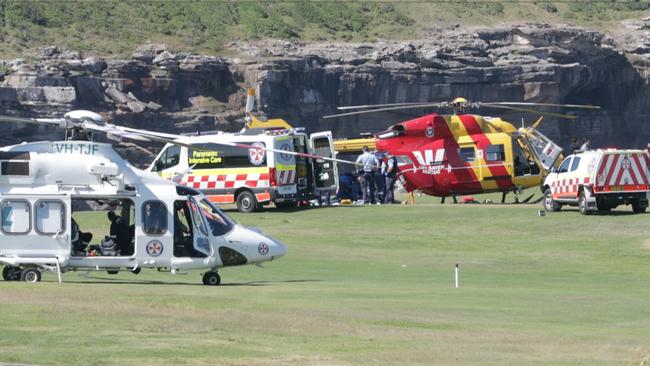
<point>160,90</point>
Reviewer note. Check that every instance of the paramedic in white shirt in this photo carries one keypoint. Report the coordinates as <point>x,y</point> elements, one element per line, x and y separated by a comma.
<point>369,162</point>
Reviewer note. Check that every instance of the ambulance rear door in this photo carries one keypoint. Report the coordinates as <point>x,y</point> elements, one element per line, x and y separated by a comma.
<point>622,170</point>
<point>285,166</point>
<point>326,175</point>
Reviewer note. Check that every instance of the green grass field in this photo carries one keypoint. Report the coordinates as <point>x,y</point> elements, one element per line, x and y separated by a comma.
<point>365,285</point>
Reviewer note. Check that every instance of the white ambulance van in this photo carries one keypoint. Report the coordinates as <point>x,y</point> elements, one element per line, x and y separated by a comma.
<point>253,177</point>
<point>599,180</point>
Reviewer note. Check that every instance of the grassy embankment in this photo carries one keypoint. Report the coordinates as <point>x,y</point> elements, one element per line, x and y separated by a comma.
<point>115,28</point>
<point>365,285</point>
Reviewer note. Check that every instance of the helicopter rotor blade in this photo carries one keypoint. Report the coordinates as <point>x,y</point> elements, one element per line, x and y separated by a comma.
<point>368,106</point>
<point>39,121</point>
<point>583,106</point>
<point>186,141</point>
<point>415,106</point>
<point>498,106</point>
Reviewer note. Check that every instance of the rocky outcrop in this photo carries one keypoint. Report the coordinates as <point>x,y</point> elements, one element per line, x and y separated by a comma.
<point>161,89</point>
<point>532,63</point>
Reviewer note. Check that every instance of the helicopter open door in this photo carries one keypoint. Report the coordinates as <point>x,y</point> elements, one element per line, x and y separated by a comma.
<point>325,172</point>
<point>201,237</point>
<point>545,151</point>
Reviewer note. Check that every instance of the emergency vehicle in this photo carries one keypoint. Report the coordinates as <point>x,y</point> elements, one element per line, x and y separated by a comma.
<point>599,180</point>
<point>253,177</point>
<point>46,186</point>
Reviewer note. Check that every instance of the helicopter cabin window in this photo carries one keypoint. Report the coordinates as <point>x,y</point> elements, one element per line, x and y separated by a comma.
<point>102,226</point>
<point>226,157</point>
<point>575,163</point>
<point>16,217</point>
<point>49,217</point>
<point>154,217</point>
<point>495,153</point>
<point>565,165</point>
<point>467,154</point>
<point>169,158</point>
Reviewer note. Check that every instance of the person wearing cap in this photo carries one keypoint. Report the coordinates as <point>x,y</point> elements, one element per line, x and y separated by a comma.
<point>389,171</point>
<point>368,162</point>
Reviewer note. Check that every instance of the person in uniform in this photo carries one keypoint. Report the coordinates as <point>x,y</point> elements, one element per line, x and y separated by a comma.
<point>389,170</point>
<point>368,161</point>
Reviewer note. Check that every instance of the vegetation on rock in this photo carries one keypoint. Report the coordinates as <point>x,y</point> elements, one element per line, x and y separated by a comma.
<point>117,27</point>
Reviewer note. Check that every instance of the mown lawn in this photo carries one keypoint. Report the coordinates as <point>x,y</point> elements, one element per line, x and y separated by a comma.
<point>365,285</point>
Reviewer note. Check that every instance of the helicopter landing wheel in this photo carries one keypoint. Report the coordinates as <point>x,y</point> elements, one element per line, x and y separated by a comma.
<point>31,275</point>
<point>11,273</point>
<point>211,278</point>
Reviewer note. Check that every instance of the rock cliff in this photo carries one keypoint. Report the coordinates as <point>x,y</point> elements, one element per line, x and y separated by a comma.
<point>174,91</point>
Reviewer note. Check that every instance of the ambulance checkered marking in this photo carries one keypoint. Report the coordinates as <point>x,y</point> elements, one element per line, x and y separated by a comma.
<point>286,177</point>
<point>222,181</point>
<point>568,186</point>
<point>620,170</point>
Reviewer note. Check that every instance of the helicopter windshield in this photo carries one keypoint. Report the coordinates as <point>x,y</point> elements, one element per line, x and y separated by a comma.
<point>218,223</point>
<point>544,149</point>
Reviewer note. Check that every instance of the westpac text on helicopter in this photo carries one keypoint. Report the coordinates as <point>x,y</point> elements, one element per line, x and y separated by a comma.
<point>151,223</point>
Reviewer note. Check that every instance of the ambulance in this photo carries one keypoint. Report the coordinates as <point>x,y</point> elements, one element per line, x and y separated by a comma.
<point>252,177</point>
<point>599,180</point>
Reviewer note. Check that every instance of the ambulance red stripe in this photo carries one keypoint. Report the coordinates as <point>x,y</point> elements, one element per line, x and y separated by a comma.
<point>603,164</point>
<point>638,170</point>
<point>610,172</point>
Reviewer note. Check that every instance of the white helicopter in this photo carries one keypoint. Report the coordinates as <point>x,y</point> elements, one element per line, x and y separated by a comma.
<point>159,224</point>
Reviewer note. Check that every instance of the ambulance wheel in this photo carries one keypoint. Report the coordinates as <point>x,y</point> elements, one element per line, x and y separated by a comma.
<point>211,278</point>
<point>582,204</point>
<point>246,202</point>
<point>11,273</point>
<point>30,275</point>
<point>549,202</point>
<point>637,208</point>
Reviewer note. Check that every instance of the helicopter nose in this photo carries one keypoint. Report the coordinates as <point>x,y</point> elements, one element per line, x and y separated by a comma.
<point>278,249</point>
<point>268,248</point>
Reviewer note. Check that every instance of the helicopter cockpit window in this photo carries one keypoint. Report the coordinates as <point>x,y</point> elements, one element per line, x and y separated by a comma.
<point>565,165</point>
<point>154,217</point>
<point>576,162</point>
<point>467,154</point>
<point>495,153</point>
<point>218,222</point>
<point>169,158</point>
<point>196,217</point>
<point>16,217</point>
<point>50,217</point>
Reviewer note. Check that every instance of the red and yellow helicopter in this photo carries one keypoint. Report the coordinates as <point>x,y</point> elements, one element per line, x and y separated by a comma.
<point>445,155</point>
